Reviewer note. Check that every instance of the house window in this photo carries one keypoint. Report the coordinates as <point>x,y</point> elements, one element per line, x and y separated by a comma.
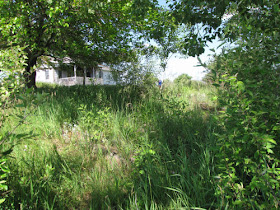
<point>88,74</point>
<point>100,74</point>
<point>59,74</point>
<point>70,74</point>
<point>47,74</point>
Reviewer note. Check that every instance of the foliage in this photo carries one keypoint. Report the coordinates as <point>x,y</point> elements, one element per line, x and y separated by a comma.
<point>11,68</point>
<point>248,148</point>
<point>209,19</point>
<point>4,170</point>
<point>166,36</point>
<point>248,76</point>
<point>141,70</point>
<point>9,88</point>
<point>10,85</point>
<point>114,147</point>
<point>92,31</point>
<point>16,103</point>
<point>183,80</point>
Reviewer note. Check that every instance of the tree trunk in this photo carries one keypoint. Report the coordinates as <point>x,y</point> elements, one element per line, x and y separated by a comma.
<point>84,77</point>
<point>30,74</point>
<point>31,80</point>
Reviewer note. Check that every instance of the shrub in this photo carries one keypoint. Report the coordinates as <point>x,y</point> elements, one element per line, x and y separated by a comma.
<point>248,149</point>
<point>183,80</point>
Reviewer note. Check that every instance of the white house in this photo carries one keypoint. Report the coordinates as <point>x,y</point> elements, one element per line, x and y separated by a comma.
<point>69,74</point>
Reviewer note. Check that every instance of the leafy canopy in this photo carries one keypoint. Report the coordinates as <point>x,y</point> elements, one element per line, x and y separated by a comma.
<point>88,31</point>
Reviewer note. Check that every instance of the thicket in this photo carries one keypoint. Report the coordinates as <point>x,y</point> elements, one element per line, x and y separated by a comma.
<point>128,147</point>
<point>14,99</point>
<point>120,147</point>
<point>132,147</point>
<point>248,157</point>
<point>183,80</point>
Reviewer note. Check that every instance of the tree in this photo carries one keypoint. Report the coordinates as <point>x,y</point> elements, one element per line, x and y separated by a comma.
<point>206,20</point>
<point>87,31</point>
<point>248,76</point>
<point>139,70</point>
<point>182,80</point>
<point>166,36</point>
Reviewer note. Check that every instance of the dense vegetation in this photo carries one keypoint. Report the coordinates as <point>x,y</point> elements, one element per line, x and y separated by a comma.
<point>113,147</point>
<point>135,147</point>
<point>249,152</point>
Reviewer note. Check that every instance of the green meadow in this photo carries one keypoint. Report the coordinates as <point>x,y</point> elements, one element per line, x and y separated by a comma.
<point>113,147</point>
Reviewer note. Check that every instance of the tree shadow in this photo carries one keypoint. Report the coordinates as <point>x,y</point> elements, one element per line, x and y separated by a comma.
<point>177,159</point>
<point>184,164</point>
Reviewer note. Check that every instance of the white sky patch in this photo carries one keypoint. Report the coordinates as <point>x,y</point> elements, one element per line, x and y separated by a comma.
<point>177,65</point>
<point>227,16</point>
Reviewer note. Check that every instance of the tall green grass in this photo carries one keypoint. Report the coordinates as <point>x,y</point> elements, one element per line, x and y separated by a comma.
<point>116,147</point>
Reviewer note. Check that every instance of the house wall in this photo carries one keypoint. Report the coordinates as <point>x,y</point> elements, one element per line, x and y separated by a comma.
<point>69,81</point>
<point>56,76</point>
<point>45,74</point>
<point>48,74</point>
<point>108,78</point>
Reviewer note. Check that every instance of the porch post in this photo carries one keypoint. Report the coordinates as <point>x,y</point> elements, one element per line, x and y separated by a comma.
<point>94,76</point>
<point>75,73</point>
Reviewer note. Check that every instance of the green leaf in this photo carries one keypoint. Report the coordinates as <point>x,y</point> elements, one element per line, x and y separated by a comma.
<point>2,200</point>
<point>271,140</point>
<point>276,7</point>
<point>241,85</point>
<point>269,151</point>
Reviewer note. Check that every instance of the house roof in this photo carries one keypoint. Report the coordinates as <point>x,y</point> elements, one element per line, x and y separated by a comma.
<point>104,68</point>
<point>67,60</point>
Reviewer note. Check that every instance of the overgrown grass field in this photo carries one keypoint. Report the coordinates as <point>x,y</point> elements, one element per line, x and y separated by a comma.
<point>114,147</point>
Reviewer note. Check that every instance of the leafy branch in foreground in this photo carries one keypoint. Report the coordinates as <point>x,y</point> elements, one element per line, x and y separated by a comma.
<point>249,164</point>
<point>14,100</point>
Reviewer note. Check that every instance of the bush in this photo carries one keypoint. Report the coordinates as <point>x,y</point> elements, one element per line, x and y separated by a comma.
<point>248,149</point>
<point>183,80</point>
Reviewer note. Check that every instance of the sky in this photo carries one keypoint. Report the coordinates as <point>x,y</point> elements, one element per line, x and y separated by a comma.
<point>179,64</point>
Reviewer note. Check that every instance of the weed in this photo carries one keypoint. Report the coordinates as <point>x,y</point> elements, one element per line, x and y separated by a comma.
<point>115,147</point>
